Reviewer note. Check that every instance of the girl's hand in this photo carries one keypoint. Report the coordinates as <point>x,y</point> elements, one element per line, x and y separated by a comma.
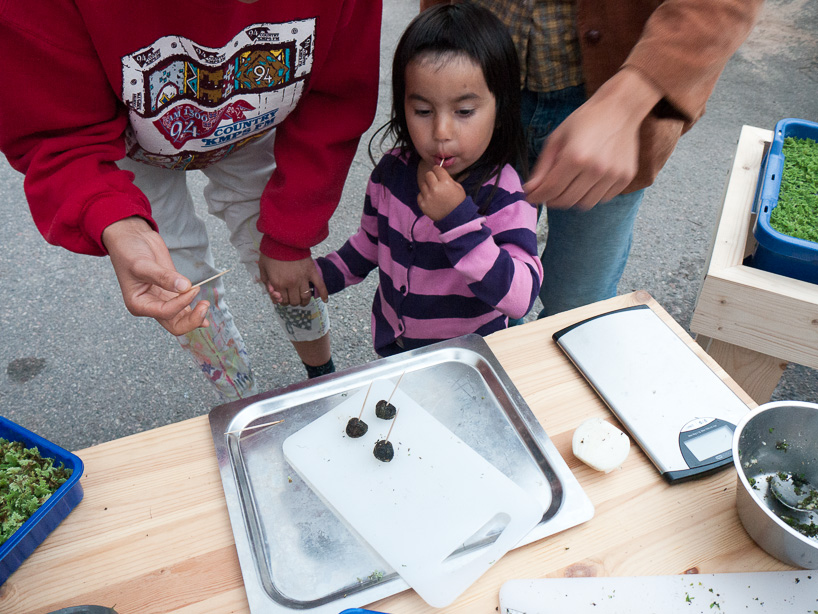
<point>439,194</point>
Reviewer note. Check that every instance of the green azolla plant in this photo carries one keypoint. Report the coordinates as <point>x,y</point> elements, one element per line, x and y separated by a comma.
<point>27,480</point>
<point>796,214</point>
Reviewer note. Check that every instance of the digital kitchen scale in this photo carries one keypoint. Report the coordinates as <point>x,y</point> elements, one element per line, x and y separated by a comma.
<point>679,411</point>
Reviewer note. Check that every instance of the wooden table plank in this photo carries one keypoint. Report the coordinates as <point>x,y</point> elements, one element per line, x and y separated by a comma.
<point>152,535</point>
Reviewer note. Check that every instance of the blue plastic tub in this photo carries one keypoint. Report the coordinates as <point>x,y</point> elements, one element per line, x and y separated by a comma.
<point>22,543</point>
<point>777,252</point>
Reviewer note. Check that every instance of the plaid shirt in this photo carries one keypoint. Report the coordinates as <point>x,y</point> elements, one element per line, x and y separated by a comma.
<point>545,34</point>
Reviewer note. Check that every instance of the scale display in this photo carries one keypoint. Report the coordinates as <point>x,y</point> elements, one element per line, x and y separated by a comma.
<point>674,406</point>
<point>706,444</point>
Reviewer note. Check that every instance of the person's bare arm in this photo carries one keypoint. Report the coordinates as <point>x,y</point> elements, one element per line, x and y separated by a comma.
<point>593,155</point>
<point>151,286</point>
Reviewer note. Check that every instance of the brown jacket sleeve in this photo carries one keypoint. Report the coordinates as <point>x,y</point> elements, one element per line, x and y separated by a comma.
<point>686,44</point>
<point>681,46</point>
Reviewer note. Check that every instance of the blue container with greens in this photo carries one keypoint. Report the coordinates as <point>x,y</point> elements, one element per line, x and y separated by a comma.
<point>51,512</point>
<point>776,252</point>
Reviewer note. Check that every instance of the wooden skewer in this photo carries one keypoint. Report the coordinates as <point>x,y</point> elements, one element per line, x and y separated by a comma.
<point>397,411</point>
<point>391,426</point>
<point>257,426</point>
<point>365,398</point>
<point>396,387</point>
<point>201,283</point>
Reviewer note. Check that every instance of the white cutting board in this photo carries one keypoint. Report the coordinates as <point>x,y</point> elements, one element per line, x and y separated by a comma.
<point>416,510</point>
<point>776,592</point>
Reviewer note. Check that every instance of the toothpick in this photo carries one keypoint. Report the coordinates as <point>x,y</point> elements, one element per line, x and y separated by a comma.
<point>365,398</point>
<point>395,419</point>
<point>396,386</point>
<point>391,426</point>
<point>257,426</point>
<point>201,283</point>
<point>442,160</point>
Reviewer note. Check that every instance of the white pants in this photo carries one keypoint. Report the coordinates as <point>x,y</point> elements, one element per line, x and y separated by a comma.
<point>232,194</point>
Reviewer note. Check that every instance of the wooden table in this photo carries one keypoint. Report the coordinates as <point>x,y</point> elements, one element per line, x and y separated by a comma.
<point>152,535</point>
<point>752,322</point>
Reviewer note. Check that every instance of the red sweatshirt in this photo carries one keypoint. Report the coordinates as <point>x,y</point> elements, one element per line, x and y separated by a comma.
<point>180,85</point>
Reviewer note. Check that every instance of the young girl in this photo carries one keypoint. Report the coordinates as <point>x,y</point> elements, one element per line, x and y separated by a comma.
<point>445,220</point>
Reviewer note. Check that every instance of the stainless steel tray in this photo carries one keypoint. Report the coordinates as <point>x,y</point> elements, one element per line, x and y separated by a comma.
<point>295,554</point>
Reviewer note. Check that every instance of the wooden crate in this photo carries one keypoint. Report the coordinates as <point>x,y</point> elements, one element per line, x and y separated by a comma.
<point>751,321</point>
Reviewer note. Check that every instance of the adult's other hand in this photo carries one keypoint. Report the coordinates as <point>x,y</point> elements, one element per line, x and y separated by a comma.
<point>292,282</point>
<point>593,155</point>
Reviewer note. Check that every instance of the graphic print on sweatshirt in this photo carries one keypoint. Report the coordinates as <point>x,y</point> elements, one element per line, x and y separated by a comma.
<point>189,105</point>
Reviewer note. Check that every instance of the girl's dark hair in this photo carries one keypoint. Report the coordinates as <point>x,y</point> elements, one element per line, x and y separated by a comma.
<point>465,29</point>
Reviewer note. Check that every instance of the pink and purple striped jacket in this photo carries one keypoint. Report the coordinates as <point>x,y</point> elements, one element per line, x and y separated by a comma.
<point>466,273</point>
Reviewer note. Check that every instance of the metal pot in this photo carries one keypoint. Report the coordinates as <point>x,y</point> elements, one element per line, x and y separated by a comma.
<point>775,446</point>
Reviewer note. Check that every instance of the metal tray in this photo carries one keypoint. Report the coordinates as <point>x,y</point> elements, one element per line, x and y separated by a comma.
<point>295,554</point>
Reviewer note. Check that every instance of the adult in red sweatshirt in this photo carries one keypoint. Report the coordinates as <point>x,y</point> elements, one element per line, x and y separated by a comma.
<point>271,97</point>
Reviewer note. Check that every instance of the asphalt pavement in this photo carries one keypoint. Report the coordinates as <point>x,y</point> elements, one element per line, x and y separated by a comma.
<point>78,369</point>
